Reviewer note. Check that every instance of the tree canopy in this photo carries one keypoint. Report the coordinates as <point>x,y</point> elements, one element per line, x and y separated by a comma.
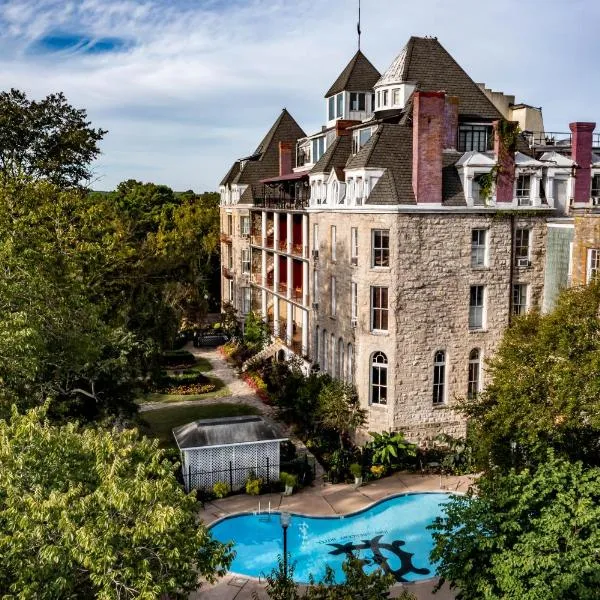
<point>47,139</point>
<point>532,535</point>
<point>91,513</point>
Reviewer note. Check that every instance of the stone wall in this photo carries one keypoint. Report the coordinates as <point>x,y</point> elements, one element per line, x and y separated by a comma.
<point>587,236</point>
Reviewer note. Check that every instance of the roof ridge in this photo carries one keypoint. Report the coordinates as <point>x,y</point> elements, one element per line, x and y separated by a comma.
<point>409,50</point>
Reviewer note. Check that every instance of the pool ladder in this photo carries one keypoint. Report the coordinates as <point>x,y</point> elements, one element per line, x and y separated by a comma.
<point>265,516</point>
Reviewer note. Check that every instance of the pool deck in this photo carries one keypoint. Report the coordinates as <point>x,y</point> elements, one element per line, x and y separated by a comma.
<point>326,500</point>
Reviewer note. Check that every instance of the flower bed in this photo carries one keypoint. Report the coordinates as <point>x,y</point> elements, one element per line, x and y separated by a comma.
<point>188,389</point>
<point>255,381</point>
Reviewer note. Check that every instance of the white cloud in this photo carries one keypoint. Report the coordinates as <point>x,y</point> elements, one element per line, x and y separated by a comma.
<point>202,81</point>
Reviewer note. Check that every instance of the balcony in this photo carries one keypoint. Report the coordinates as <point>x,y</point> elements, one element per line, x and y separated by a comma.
<point>227,272</point>
<point>554,140</point>
<point>291,194</point>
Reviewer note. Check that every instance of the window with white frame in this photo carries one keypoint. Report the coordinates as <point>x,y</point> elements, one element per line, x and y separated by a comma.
<point>378,99</point>
<point>245,261</point>
<point>315,237</point>
<point>318,148</point>
<point>354,300</point>
<point>522,244</point>
<point>245,225</point>
<point>380,253</point>
<point>379,308</point>
<point>339,104</point>
<point>354,245</point>
<point>325,345</point>
<point>379,378</point>
<point>396,96</point>
<point>474,379</point>
<point>593,263</point>
<point>523,190</point>
<point>246,300</point>
<point>350,364</point>
<point>478,247</point>
<point>317,349</point>
<point>384,98</point>
<point>331,106</point>
<point>333,243</point>
<point>357,101</point>
<point>476,306</point>
<point>315,286</point>
<point>230,224</point>
<point>519,298</point>
<point>359,190</point>
<point>340,360</point>
<point>333,297</point>
<point>231,295</point>
<point>439,377</point>
<point>333,364</point>
<point>229,257</point>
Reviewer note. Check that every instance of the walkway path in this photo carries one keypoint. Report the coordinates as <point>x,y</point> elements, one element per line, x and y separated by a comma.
<point>325,499</point>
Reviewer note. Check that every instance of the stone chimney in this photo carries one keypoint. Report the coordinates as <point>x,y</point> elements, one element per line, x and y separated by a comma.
<point>581,153</point>
<point>451,122</point>
<point>286,151</point>
<point>428,141</point>
<point>505,158</point>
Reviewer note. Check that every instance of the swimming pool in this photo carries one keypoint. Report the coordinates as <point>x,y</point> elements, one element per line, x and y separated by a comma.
<point>392,532</point>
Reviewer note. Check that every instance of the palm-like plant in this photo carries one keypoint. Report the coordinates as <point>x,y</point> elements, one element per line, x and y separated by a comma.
<point>390,448</point>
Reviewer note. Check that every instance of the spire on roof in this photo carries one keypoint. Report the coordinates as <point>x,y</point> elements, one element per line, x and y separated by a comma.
<point>359,75</point>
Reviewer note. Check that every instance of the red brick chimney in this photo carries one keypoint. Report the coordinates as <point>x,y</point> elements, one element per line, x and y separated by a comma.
<point>451,122</point>
<point>505,157</point>
<point>428,139</point>
<point>341,126</point>
<point>286,150</point>
<point>581,153</point>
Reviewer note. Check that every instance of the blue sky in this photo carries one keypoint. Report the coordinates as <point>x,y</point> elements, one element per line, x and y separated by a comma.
<point>186,86</point>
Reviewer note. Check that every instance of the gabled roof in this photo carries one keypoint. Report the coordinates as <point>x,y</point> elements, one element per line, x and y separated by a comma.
<point>359,75</point>
<point>264,162</point>
<point>426,62</point>
<point>226,431</point>
<point>231,174</point>
<point>336,156</point>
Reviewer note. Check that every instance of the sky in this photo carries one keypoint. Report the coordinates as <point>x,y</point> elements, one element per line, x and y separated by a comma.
<point>185,87</point>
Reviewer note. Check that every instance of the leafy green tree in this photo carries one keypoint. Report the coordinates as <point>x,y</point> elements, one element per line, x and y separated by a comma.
<point>544,387</point>
<point>46,139</point>
<point>96,514</point>
<point>256,332</point>
<point>527,535</point>
<point>339,409</point>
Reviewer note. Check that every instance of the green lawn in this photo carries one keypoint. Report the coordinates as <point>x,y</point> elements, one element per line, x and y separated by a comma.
<point>220,392</point>
<point>201,365</point>
<point>159,423</point>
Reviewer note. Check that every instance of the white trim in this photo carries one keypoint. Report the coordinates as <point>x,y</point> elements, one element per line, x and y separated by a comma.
<point>230,445</point>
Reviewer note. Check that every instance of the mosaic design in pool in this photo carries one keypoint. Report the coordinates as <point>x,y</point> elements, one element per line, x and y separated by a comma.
<point>392,534</point>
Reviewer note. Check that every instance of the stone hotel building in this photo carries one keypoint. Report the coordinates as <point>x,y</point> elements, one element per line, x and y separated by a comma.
<point>393,246</point>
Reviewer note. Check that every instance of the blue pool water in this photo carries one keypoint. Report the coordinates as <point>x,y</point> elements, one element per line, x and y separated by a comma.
<point>392,533</point>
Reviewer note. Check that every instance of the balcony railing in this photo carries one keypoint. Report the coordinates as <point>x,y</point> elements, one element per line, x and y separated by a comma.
<point>295,196</point>
<point>555,138</point>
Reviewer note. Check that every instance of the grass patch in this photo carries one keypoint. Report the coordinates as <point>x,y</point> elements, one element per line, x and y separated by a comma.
<point>221,391</point>
<point>202,365</point>
<point>159,423</point>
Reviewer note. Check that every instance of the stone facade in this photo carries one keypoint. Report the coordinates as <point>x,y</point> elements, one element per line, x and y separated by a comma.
<point>586,237</point>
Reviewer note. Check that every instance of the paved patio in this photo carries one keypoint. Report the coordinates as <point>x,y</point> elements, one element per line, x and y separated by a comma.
<point>325,499</point>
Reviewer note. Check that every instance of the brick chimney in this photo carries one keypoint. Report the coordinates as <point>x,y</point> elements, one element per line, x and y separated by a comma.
<point>451,122</point>
<point>581,153</point>
<point>341,126</point>
<point>428,140</point>
<point>286,150</point>
<point>505,157</point>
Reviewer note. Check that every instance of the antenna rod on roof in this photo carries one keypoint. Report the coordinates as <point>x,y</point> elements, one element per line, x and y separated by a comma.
<point>358,25</point>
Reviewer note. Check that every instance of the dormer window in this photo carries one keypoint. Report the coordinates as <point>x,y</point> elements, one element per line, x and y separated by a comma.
<point>474,138</point>
<point>318,148</point>
<point>360,138</point>
<point>339,103</point>
<point>384,98</point>
<point>396,96</point>
<point>523,190</point>
<point>357,101</point>
<point>331,108</point>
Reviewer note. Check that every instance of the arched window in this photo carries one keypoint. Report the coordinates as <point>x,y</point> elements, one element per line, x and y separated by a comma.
<point>316,352</point>
<point>350,377</point>
<point>474,373</point>
<point>340,360</point>
<point>439,377</point>
<point>333,365</point>
<point>379,378</point>
<point>325,363</point>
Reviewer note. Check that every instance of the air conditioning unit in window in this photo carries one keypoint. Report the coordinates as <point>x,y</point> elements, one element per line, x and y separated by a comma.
<point>522,262</point>
<point>315,254</point>
<point>353,322</point>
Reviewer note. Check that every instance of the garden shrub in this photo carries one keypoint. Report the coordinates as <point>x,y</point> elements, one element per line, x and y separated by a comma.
<point>391,450</point>
<point>253,485</point>
<point>172,358</point>
<point>221,489</point>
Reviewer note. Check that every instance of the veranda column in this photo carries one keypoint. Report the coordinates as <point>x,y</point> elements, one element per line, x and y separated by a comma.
<point>305,236</point>
<point>305,333</point>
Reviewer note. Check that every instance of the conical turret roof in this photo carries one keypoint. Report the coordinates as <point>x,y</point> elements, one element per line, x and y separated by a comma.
<point>359,75</point>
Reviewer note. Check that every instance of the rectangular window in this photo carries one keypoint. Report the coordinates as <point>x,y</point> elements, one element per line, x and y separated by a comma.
<point>379,309</point>
<point>354,245</point>
<point>396,96</point>
<point>596,186</point>
<point>245,261</point>
<point>378,99</point>
<point>315,237</point>
<point>474,138</point>
<point>380,254</point>
<point>593,264</point>
<point>354,300</point>
<point>245,225</point>
<point>476,306</point>
<point>246,300</point>
<point>230,257</point>
<point>315,286</point>
<point>372,101</point>
<point>339,101</point>
<point>230,224</point>
<point>439,377</point>
<point>522,247</point>
<point>333,297</point>
<point>331,112</point>
<point>478,247</point>
<point>523,190</point>
<point>384,98</point>
<point>318,148</point>
<point>519,299</point>
<point>231,298</point>
<point>333,243</point>
<point>357,101</point>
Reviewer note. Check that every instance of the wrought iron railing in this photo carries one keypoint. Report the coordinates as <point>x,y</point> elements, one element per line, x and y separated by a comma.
<point>555,138</point>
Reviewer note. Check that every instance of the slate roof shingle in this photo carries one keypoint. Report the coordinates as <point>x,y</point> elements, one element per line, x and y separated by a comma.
<point>336,155</point>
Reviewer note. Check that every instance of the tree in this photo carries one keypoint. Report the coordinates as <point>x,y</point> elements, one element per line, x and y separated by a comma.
<point>544,388</point>
<point>48,140</point>
<point>338,409</point>
<point>527,535</point>
<point>90,513</point>
<point>256,332</point>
